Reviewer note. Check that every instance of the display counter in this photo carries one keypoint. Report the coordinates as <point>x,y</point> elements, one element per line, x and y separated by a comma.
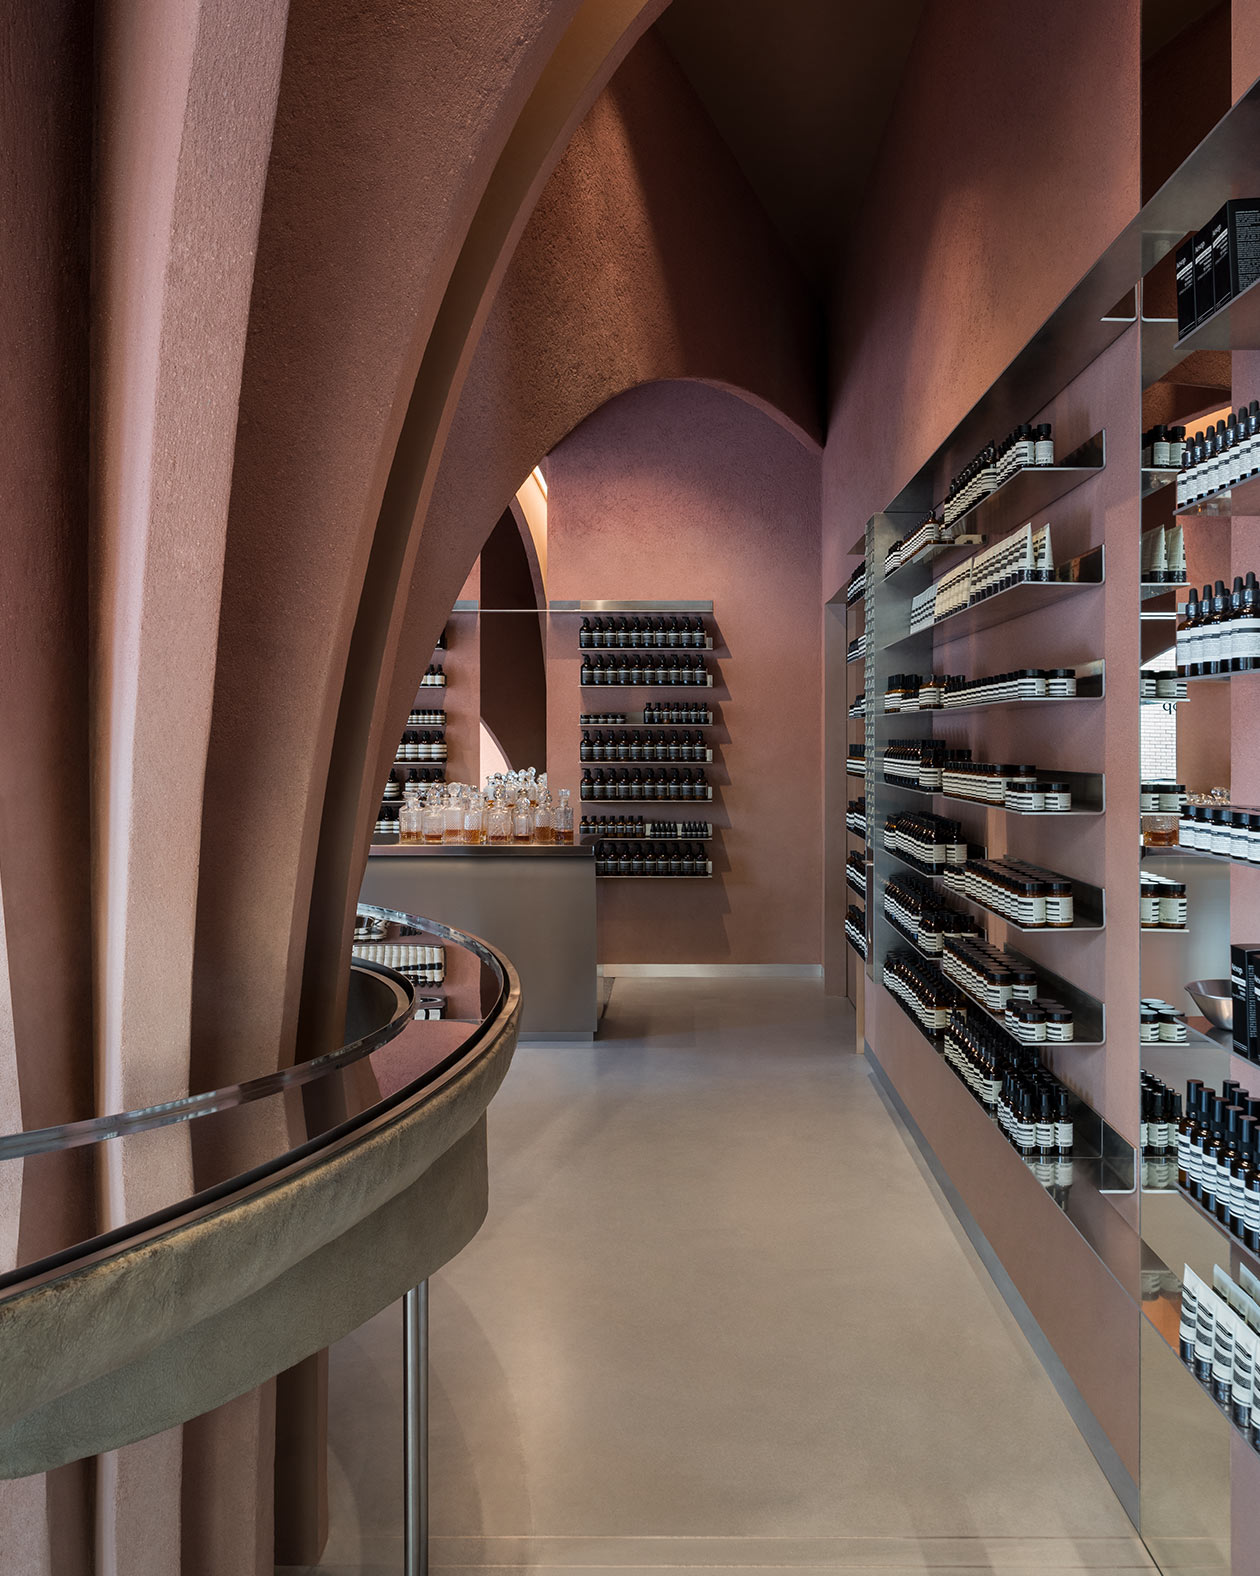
<point>533,902</point>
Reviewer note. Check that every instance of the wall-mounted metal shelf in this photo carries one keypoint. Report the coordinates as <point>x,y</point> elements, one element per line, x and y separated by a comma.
<point>628,606</point>
<point>1078,574</point>
<point>1090,685</point>
<point>931,550</point>
<point>1088,795</point>
<point>1088,1013</point>
<point>643,835</point>
<point>706,683</point>
<point>648,760</point>
<point>1026,494</point>
<point>1088,905</point>
<point>649,799</point>
<point>1156,478</point>
<point>642,645</point>
<point>1035,487</point>
<point>1242,498</point>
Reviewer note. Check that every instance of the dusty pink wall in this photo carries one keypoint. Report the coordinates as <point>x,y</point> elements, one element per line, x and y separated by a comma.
<point>681,491</point>
<point>987,205</point>
<point>967,255</point>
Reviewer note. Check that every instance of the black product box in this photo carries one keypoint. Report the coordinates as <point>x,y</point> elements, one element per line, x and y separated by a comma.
<point>1186,317</point>
<point>1204,279</point>
<point>1235,233</point>
<point>1244,977</point>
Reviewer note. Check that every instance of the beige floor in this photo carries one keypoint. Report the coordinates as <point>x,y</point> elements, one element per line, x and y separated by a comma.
<point>720,1318</point>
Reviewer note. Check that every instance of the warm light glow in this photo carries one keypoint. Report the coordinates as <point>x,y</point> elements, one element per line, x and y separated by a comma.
<point>532,498</point>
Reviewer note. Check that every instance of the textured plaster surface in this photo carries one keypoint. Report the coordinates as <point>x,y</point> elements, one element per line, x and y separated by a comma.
<point>677,491</point>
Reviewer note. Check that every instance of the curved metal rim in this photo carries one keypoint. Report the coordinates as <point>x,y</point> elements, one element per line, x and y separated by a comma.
<point>97,1129</point>
<point>304,1157</point>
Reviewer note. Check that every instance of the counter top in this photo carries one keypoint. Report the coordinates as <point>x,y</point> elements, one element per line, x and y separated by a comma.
<point>482,850</point>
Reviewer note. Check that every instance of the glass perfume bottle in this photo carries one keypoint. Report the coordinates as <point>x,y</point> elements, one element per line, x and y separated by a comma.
<point>499,821</point>
<point>523,820</point>
<point>563,818</point>
<point>433,818</point>
<point>474,819</point>
<point>544,820</point>
<point>410,818</point>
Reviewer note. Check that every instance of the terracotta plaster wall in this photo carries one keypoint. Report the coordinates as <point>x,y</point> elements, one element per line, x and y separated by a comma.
<point>1032,173</point>
<point>986,205</point>
<point>681,491</point>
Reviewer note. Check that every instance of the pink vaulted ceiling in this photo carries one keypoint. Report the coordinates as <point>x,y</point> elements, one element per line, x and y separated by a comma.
<point>802,93</point>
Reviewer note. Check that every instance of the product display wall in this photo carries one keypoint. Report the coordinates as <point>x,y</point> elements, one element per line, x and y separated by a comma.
<point>681,492</point>
<point>1105,1286</point>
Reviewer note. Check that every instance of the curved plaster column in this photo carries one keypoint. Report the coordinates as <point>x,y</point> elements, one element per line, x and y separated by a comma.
<point>187,96</point>
<point>45,923</point>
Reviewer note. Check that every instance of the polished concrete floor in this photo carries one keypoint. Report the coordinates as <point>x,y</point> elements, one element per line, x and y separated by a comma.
<point>719,1317</point>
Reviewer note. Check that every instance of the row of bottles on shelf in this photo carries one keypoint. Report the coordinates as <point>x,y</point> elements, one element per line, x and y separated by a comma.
<point>855,760</point>
<point>858,707</point>
<point>933,842</point>
<point>1161,686</point>
<point>996,978</point>
<point>639,784</point>
<point>855,928</point>
<point>420,718</point>
<point>1163,447</point>
<point>1027,447</point>
<point>855,816</point>
<point>1160,1023</point>
<point>1232,831</point>
<point>1159,1115</point>
<point>655,715</point>
<point>422,746</point>
<point>1162,904</point>
<point>638,826</point>
<point>915,908</point>
<point>1218,1161</point>
<point>513,809</point>
<point>422,963</point>
<point>1022,558</point>
<point>434,677</point>
<point>1221,457</point>
<point>653,858</point>
<point>634,631</point>
<point>396,784</point>
<point>928,765</point>
<point>644,671</point>
<point>1024,448</point>
<point>1025,894</point>
<point>1008,1078</point>
<point>635,747</point>
<point>1163,556</point>
<point>855,872</point>
<point>856,648</point>
<point>916,692</point>
<point>856,588</point>
<point>1220,631</point>
<point>1005,983</point>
